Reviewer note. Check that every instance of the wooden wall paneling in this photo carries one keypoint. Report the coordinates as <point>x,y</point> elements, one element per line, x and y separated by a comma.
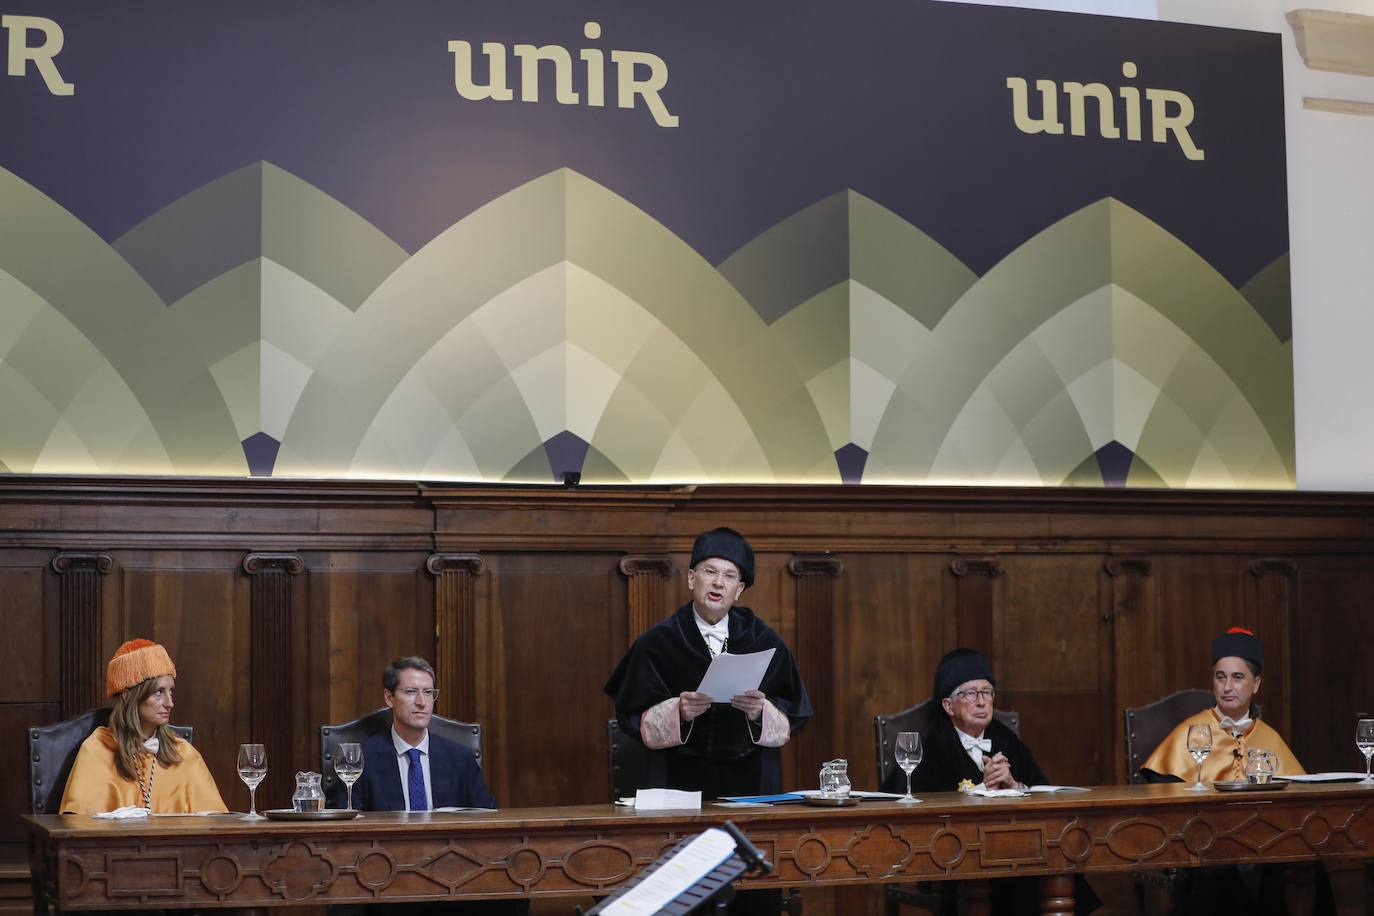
<point>816,654</point>
<point>1333,679</point>
<point>1273,588</point>
<point>975,586</point>
<point>892,609</point>
<point>28,651</point>
<point>1200,596</point>
<point>1052,659</point>
<point>81,616</point>
<point>270,636</point>
<point>1131,611</point>
<point>366,609</point>
<point>649,601</point>
<point>552,646</point>
<point>455,630</point>
<point>198,605</point>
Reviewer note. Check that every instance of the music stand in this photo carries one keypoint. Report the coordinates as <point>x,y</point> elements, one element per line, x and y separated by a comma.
<point>716,887</point>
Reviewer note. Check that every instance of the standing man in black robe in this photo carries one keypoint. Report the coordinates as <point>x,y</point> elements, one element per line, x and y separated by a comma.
<point>696,745</point>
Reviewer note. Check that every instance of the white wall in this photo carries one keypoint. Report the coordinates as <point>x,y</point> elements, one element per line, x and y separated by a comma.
<point>1331,231</point>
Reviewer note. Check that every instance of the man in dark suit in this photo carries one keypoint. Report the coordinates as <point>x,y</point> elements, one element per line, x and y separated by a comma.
<point>407,768</point>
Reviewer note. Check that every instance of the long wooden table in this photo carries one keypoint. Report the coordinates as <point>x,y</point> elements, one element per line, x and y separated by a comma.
<point>80,863</point>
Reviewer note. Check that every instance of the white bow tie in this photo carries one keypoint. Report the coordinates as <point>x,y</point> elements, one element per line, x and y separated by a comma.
<point>983,744</point>
<point>1235,726</point>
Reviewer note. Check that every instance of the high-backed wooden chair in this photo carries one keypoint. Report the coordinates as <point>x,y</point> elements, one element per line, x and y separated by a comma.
<point>52,751</point>
<point>918,718</point>
<point>1147,726</point>
<point>468,734</point>
<point>1158,890</point>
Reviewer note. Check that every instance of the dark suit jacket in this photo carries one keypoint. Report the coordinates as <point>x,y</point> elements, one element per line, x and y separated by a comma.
<point>454,776</point>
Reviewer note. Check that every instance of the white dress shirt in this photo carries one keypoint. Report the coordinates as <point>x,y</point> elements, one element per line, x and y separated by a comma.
<point>976,747</point>
<point>716,634</point>
<point>403,765</point>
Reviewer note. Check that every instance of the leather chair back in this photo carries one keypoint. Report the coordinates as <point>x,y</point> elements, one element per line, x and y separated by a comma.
<point>1147,726</point>
<point>918,718</point>
<point>52,751</point>
<point>628,761</point>
<point>467,734</point>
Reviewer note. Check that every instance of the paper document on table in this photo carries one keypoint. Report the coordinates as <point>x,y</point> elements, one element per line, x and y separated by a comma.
<point>731,675</point>
<point>1035,789</point>
<point>1323,777</point>
<point>666,800</point>
<point>687,866</point>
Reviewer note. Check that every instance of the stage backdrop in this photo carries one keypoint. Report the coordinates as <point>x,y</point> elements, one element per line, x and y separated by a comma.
<point>501,240</point>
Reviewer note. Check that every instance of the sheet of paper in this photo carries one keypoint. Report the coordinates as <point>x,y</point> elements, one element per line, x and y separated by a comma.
<point>1035,789</point>
<point>455,810</point>
<point>983,791</point>
<point>666,800</point>
<point>730,675</point>
<point>780,798</point>
<point>1325,777</point>
<point>691,863</point>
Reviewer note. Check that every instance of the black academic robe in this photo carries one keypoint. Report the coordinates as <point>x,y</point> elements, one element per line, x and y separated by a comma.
<point>945,763</point>
<point>720,756</point>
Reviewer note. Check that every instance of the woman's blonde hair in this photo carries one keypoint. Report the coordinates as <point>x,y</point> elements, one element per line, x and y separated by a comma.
<point>127,726</point>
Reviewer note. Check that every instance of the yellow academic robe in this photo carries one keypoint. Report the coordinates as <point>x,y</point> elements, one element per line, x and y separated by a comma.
<point>1227,760</point>
<point>95,785</point>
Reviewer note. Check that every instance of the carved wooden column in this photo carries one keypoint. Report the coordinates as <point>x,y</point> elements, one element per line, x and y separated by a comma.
<point>270,650</point>
<point>1136,641</point>
<point>455,630</point>
<point>649,599</point>
<point>975,577</point>
<point>1274,617</point>
<point>815,648</point>
<point>82,668</point>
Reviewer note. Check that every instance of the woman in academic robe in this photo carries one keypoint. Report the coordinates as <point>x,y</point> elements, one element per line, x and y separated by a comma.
<point>137,761</point>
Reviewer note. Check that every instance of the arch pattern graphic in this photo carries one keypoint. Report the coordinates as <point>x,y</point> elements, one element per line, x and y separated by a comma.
<point>258,326</point>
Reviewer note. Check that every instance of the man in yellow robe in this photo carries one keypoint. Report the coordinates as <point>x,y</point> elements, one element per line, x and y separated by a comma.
<point>137,761</point>
<point>1237,657</point>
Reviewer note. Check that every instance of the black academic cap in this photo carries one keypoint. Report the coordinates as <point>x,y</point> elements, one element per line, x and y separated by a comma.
<point>1239,642</point>
<point>727,544</point>
<point>960,667</point>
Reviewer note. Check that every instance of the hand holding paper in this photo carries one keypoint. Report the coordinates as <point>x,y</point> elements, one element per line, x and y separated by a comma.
<point>734,675</point>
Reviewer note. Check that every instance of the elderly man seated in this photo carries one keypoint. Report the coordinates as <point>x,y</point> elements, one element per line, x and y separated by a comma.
<point>967,747</point>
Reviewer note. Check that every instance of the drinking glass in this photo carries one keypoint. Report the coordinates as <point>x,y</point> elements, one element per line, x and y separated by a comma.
<point>908,753</point>
<point>252,770</point>
<point>1364,740</point>
<point>348,764</point>
<point>1199,746</point>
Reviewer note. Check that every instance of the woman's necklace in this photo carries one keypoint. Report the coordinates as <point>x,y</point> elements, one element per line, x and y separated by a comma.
<point>151,749</point>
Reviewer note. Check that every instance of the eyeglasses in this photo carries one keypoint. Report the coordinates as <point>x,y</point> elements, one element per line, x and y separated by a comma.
<point>410,693</point>
<point>970,696</point>
<point>728,576</point>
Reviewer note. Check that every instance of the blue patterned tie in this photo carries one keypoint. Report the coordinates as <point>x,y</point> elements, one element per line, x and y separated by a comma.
<point>415,782</point>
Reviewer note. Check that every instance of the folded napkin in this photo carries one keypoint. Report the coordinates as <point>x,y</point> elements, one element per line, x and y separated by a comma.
<point>120,814</point>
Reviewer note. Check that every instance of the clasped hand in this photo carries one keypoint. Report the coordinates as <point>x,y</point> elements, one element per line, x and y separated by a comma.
<point>694,704</point>
<point>997,772</point>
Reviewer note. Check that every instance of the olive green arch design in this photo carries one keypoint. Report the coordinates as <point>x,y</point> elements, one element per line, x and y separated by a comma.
<point>257,325</point>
